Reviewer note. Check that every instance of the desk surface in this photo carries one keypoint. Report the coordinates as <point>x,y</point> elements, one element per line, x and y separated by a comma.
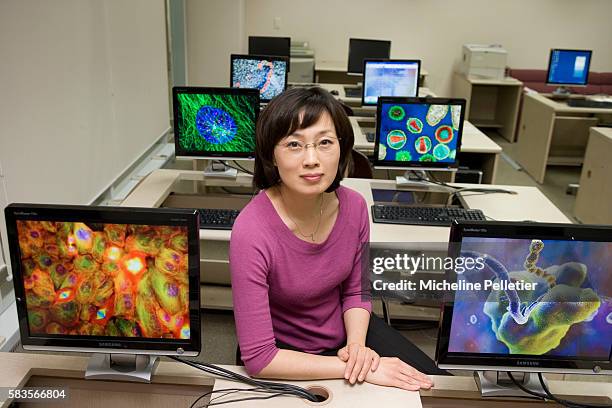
<point>528,204</point>
<point>473,140</point>
<point>339,88</point>
<point>507,81</point>
<point>561,106</point>
<point>17,368</point>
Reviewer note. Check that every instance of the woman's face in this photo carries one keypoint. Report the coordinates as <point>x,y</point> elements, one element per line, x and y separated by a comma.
<point>304,169</point>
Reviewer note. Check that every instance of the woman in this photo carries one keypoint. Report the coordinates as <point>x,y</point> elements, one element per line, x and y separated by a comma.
<point>295,257</point>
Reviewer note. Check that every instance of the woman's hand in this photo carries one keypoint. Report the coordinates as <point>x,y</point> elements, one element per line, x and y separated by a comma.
<point>359,360</point>
<point>393,372</point>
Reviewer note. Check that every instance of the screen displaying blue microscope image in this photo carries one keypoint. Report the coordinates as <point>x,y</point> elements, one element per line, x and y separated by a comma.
<point>390,78</point>
<point>566,312</point>
<point>267,75</point>
<point>569,67</point>
<point>419,132</point>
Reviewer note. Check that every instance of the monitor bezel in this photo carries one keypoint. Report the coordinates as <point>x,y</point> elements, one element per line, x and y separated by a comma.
<point>417,100</point>
<point>119,215</point>
<point>389,60</point>
<point>267,37</point>
<point>212,155</point>
<point>519,362</point>
<point>588,68</point>
<point>234,57</point>
<point>348,62</point>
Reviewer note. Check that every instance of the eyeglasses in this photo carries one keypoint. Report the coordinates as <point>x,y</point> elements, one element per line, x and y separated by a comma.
<point>324,146</point>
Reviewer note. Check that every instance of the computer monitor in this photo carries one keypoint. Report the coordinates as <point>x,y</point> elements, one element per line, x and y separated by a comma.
<point>568,67</point>
<point>272,46</point>
<point>386,77</point>
<point>215,124</point>
<point>418,133</point>
<point>268,74</point>
<point>361,49</point>
<point>543,304</point>
<point>107,280</point>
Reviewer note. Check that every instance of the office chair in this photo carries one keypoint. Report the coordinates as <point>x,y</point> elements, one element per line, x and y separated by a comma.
<point>359,166</point>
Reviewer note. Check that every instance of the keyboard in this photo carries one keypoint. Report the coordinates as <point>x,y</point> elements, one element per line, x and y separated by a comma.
<point>352,92</point>
<point>370,136</point>
<point>588,103</point>
<point>215,218</point>
<point>409,215</point>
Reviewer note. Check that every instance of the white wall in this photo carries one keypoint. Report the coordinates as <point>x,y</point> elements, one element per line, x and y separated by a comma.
<point>215,29</point>
<point>434,30</point>
<point>84,92</point>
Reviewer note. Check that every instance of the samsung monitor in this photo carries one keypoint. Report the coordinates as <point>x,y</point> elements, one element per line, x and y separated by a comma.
<point>386,77</point>
<point>568,67</point>
<point>361,49</point>
<point>215,124</point>
<point>418,133</point>
<point>108,281</point>
<point>268,74</point>
<point>537,298</point>
<point>272,46</point>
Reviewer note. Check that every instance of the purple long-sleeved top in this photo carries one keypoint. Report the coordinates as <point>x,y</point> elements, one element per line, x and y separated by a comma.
<point>291,290</point>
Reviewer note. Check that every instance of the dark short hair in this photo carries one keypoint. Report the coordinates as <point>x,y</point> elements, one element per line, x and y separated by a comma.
<point>282,117</point>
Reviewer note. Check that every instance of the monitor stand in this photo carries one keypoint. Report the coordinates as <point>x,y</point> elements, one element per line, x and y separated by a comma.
<point>219,169</point>
<point>121,367</point>
<point>561,93</point>
<point>415,178</point>
<point>498,384</point>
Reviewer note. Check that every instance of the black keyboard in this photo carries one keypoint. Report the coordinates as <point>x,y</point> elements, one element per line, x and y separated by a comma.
<point>408,215</point>
<point>588,103</point>
<point>352,92</point>
<point>370,136</point>
<point>215,218</point>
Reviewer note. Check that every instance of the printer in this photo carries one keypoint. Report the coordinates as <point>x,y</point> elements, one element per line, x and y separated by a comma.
<point>302,62</point>
<point>484,61</point>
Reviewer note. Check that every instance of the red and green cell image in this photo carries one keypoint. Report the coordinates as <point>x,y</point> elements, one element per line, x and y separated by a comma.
<point>441,152</point>
<point>403,156</point>
<point>397,113</point>
<point>105,279</point>
<point>422,145</point>
<point>427,158</point>
<point>414,125</point>
<point>396,139</point>
<point>444,134</point>
<point>216,123</point>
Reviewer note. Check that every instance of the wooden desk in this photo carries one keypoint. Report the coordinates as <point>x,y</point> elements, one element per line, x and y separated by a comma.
<point>477,150</point>
<point>155,190</point>
<point>490,103</point>
<point>553,133</point>
<point>335,72</point>
<point>594,198</point>
<point>178,385</point>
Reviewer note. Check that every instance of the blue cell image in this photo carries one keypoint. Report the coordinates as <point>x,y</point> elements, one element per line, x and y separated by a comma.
<point>215,125</point>
<point>267,76</point>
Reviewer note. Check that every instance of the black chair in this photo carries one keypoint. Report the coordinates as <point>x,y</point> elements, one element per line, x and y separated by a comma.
<point>359,166</point>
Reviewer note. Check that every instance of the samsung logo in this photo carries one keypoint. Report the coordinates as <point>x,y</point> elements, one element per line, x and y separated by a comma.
<point>25,213</point>
<point>528,363</point>
<point>110,344</point>
<point>474,230</point>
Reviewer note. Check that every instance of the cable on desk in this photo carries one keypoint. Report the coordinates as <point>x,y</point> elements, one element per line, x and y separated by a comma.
<point>242,168</point>
<point>284,389</point>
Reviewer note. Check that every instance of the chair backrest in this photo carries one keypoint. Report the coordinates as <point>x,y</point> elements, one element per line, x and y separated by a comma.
<point>359,166</point>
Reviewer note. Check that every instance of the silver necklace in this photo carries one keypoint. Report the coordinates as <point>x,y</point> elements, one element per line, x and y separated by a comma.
<point>297,227</point>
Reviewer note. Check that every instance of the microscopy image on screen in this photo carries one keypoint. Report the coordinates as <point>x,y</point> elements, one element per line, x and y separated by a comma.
<point>267,76</point>
<point>567,312</point>
<point>389,79</point>
<point>216,123</point>
<point>419,133</point>
<point>105,279</point>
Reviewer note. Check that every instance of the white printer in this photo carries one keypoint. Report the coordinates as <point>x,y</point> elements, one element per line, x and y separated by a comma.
<point>302,63</point>
<point>485,61</point>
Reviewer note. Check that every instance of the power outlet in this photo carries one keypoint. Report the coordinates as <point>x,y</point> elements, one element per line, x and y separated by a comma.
<point>276,23</point>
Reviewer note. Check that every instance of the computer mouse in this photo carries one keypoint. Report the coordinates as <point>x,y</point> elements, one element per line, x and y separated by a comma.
<point>334,92</point>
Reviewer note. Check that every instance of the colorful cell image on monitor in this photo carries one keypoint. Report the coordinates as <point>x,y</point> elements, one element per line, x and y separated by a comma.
<point>568,312</point>
<point>216,122</point>
<point>419,132</point>
<point>269,76</point>
<point>114,280</point>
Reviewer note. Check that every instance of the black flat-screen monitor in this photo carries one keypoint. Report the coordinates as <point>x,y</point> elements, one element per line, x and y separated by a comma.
<point>106,279</point>
<point>215,123</point>
<point>568,67</point>
<point>268,74</point>
<point>423,133</point>
<point>272,46</point>
<point>537,297</point>
<point>361,49</point>
<point>387,77</point>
